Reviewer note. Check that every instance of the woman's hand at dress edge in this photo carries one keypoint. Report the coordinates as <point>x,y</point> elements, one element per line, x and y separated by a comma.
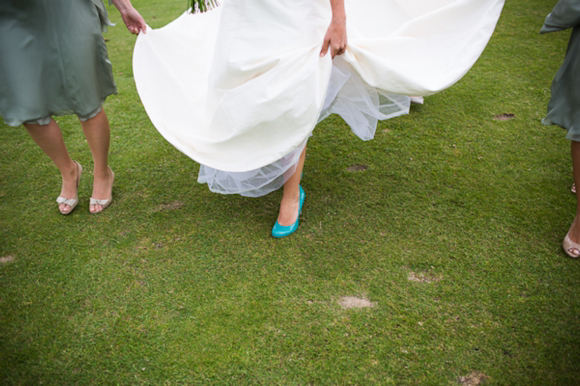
<point>134,21</point>
<point>335,38</point>
<point>131,17</point>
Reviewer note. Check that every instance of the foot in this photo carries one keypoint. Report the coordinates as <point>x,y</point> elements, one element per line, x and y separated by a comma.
<point>69,191</point>
<point>571,243</point>
<point>280,229</point>
<point>102,191</point>
<point>289,208</point>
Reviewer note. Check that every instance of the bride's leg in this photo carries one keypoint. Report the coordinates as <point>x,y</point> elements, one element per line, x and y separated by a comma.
<point>291,196</point>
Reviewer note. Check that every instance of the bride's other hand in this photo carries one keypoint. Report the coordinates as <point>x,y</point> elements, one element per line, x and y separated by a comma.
<point>335,37</point>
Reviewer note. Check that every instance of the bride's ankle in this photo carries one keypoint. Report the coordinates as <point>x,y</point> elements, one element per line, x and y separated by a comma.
<point>288,209</point>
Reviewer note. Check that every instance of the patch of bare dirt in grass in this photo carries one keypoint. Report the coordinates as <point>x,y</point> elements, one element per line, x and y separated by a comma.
<point>473,379</point>
<point>7,259</point>
<point>171,206</point>
<point>424,277</point>
<point>504,117</point>
<point>349,302</point>
<point>357,168</point>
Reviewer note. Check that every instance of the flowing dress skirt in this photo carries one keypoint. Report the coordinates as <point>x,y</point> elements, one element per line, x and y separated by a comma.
<point>239,89</point>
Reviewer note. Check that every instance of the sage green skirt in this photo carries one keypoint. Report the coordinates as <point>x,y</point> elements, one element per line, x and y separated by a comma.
<point>564,106</point>
<point>53,59</point>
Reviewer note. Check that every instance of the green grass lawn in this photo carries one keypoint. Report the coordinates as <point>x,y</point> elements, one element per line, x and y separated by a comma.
<point>453,233</point>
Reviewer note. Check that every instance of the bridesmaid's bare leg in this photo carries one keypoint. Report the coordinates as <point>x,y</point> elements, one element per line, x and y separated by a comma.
<point>50,140</point>
<point>572,239</point>
<point>291,196</point>
<point>575,228</point>
<point>98,134</point>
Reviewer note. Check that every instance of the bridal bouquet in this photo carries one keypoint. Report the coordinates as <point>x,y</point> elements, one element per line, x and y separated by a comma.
<point>201,5</point>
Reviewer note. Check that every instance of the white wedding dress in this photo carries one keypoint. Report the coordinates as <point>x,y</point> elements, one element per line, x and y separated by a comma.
<point>240,88</point>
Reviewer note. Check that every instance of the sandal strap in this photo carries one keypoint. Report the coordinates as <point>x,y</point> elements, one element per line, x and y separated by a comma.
<point>66,201</point>
<point>95,201</point>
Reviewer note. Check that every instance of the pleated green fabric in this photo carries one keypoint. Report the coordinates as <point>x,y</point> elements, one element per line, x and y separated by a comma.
<point>53,59</point>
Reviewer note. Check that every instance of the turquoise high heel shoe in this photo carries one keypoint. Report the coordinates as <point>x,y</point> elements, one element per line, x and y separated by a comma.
<point>279,231</point>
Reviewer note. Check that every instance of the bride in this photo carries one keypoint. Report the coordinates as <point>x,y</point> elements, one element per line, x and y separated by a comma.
<point>241,87</point>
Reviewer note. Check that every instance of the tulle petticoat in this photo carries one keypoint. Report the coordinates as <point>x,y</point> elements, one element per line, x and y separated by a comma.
<point>361,107</point>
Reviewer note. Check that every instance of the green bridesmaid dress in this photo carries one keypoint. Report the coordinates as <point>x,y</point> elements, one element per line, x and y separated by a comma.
<point>53,59</point>
<point>564,106</point>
